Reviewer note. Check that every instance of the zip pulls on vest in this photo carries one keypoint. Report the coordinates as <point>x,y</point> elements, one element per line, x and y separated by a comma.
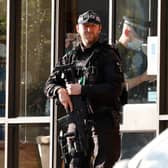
<point>82,80</point>
<point>83,64</point>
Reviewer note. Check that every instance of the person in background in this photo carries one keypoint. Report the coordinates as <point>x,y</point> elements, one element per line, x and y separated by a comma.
<point>132,48</point>
<point>102,88</point>
<point>134,59</point>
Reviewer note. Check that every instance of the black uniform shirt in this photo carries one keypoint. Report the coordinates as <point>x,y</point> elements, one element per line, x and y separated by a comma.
<point>103,84</point>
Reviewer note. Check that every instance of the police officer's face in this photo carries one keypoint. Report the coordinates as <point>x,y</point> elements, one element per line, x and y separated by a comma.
<point>89,33</point>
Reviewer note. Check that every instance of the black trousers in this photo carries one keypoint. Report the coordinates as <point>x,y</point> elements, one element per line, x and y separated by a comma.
<point>104,147</point>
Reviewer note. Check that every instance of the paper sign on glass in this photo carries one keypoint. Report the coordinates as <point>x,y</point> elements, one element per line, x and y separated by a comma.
<point>152,55</point>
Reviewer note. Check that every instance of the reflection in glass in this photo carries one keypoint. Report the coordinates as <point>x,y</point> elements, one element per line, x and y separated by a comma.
<point>72,40</point>
<point>2,56</point>
<point>134,23</point>
<point>35,56</point>
<point>2,146</point>
<point>132,31</point>
<point>34,146</point>
<point>133,142</point>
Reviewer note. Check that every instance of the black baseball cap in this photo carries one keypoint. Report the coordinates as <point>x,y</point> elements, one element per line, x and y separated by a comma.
<point>89,17</point>
<point>140,26</point>
<point>137,23</point>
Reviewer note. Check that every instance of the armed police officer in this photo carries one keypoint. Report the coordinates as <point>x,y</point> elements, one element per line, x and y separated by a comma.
<point>100,86</point>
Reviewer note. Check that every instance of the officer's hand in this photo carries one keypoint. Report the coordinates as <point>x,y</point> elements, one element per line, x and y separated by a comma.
<point>147,77</point>
<point>64,99</point>
<point>73,89</point>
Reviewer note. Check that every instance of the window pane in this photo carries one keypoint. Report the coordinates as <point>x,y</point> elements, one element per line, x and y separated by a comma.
<point>2,146</point>
<point>2,56</point>
<point>35,56</point>
<point>133,142</point>
<point>1,133</point>
<point>136,21</point>
<point>34,146</point>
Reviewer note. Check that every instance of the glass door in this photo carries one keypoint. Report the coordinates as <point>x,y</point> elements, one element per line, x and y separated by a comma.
<point>137,42</point>
<point>140,116</point>
<point>2,78</point>
<point>68,37</point>
<point>25,33</point>
<point>33,60</point>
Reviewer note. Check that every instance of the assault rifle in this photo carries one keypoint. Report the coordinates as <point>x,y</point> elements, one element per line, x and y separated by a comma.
<point>78,116</point>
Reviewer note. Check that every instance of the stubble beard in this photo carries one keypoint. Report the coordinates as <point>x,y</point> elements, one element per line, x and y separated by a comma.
<point>88,42</point>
